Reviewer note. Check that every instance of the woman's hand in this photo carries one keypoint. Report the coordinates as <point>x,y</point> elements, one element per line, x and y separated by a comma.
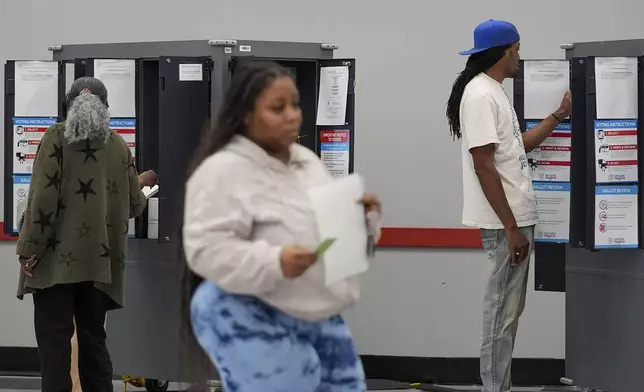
<point>148,178</point>
<point>295,260</point>
<point>27,265</point>
<point>371,203</point>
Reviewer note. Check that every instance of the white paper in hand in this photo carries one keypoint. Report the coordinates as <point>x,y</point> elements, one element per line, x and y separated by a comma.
<point>149,192</point>
<point>340,215</point>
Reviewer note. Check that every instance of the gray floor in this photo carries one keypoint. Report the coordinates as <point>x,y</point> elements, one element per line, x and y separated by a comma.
<point>25,384</point>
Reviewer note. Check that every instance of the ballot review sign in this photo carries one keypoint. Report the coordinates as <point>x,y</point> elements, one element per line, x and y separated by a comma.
<point>616,216</point>
<point>553,202</point>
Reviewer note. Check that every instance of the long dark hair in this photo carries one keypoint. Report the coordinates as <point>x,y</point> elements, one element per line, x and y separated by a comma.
<point>476,63</point>
<point>247,84</point>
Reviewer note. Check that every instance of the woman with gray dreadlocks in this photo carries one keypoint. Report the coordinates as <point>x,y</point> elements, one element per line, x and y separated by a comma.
<point>84,190</point>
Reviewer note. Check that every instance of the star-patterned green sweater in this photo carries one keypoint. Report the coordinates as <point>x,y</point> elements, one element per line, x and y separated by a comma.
<point>81,198</point>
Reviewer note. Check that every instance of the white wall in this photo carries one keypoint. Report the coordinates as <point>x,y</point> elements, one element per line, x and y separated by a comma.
<point>423,303</point>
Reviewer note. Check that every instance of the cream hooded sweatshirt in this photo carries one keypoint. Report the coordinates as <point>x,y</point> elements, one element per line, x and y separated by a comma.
<point>242,206</point>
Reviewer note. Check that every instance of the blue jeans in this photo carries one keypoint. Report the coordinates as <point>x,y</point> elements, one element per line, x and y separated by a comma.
<point>504,303</point>
<point>256,347</point>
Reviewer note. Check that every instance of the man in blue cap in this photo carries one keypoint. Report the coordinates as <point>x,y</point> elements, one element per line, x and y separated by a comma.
<point>497,187</point>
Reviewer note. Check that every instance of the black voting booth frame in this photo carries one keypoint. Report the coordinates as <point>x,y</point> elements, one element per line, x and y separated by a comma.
<point>603,287</point>
<point>170,117</point>
<point>549,258</point>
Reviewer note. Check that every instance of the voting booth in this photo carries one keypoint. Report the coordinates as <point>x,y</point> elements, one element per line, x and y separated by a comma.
<point>162,95</point>
<point>587,178</point>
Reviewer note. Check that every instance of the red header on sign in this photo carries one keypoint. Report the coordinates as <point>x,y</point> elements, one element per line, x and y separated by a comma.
<point>334,136</point>
<point>621,133</point>
<point>621,163</point>
<point>554,148</point>
<point>36,129</point>
<point>553,163</point>
<point>623,147</point>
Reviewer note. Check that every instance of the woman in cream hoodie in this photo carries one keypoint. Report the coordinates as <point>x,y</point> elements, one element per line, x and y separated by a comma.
<point>263,313</point>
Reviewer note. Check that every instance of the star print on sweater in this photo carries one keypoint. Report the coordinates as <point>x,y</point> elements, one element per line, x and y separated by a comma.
<point>83,231</point>
<point>86,188</point>
<point>112,187</point>
<point>59,207</point>
<point>58,154</point>
<point>89,152</point>
<point>44,220</point>
<point>54,180</point>
<point>52,242</point>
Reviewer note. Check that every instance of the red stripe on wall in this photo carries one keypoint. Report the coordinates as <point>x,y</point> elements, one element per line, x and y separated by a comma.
<point>401,237</point>
<point>423,237</point>
<point>5,237</point>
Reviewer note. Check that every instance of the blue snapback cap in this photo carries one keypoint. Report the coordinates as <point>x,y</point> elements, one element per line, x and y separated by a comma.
<point>492,34</point>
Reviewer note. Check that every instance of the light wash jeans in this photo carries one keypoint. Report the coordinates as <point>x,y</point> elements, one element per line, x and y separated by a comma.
<point>504,302</point>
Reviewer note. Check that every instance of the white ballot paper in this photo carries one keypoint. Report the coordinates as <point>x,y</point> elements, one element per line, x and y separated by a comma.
<point>546,81</point>
<point>119,79</point>
<point>153,218</point>
<point>36,89</point>
<point>340,216</point>
<point>150,191</point>
<point>334,89</point>
<point>616,87</point>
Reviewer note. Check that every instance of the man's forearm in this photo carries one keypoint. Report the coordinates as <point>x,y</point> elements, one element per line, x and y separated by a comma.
<point>493,190</point>
<point>534,137</point>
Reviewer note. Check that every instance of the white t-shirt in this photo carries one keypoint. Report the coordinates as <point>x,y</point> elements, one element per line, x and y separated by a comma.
<point>488,117</point>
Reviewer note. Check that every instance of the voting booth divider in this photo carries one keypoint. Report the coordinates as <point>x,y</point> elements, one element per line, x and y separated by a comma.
<point>538,90</point>
<point>587,179</point>
<point>162,96</point>
<point>608,213</point>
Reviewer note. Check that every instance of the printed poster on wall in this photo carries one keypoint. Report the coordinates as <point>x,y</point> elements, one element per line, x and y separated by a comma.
<point>616,217</point>
<point>551,160</point>
<point>616,151</point>
<point>20,193</point>
<point>334,90</point>
<point>616,87</point>
<point>334,151</point>
<point>119,77</point>
<point>553,202</point>
<point>36,88</point>
<point>27,134</point>
<point>546,82</point>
